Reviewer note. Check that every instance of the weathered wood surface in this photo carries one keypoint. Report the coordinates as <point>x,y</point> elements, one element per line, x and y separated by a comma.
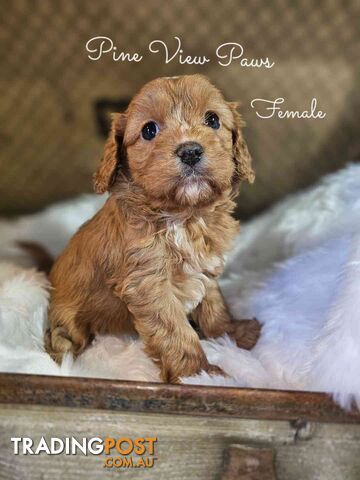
<point>249,463</point>
<point>189,447</point>
<point>161,398</point>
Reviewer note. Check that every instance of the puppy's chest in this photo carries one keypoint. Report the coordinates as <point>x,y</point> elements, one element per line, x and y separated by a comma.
<point>193,262</point>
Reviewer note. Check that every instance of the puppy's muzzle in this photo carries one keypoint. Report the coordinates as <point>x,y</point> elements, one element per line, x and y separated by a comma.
<point>190,153</point>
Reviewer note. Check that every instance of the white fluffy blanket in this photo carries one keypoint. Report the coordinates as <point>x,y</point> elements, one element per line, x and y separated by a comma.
<point>296,268</point>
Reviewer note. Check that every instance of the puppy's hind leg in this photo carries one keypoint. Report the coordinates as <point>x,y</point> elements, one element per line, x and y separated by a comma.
<point>214,320</point>
<point>63,337</point>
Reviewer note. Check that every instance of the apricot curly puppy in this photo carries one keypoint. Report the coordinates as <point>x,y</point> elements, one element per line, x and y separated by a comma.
<point>150,258</point>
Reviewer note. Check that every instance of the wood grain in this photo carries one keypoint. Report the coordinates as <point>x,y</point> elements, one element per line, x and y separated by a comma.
<point>173,399</point>
<point>188,447</point>
<point>249,463</point>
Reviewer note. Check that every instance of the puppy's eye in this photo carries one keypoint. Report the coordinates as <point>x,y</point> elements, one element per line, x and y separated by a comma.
<point>212,120</point>
<point>149,130</point>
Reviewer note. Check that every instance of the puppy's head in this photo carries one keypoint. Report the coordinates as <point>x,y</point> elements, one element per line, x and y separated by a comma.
<point>180,141</point>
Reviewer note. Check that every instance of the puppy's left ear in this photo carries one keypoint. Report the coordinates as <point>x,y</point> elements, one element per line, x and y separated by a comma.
<point>113,155</point>
<point>242,158</point>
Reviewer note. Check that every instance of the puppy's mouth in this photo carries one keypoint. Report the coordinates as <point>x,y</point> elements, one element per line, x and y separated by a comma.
<point>194,175</point>
<point>189,172</point>
<point>194,185</point>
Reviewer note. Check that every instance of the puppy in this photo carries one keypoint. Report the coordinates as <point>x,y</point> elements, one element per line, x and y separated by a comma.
<point>149,260</point>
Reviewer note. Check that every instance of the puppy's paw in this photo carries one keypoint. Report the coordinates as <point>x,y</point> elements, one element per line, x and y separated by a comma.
<point>191,368</point>
<point>57,343</point>
<point>246,333</point>
<point>215,370</point>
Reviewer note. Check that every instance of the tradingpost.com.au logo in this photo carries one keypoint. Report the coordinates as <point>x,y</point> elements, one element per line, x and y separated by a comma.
<point>122,452</point>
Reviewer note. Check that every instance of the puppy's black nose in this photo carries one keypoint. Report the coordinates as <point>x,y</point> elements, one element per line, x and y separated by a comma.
<point>190,153</point>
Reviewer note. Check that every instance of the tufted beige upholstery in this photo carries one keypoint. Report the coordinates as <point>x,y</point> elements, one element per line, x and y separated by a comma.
<point>49,137</point>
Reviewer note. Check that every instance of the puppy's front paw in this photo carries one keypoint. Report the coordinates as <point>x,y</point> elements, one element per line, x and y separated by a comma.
<point>215,370</point>
<point>246,333</point>
<point>187,365</point>
<point>57,343</point>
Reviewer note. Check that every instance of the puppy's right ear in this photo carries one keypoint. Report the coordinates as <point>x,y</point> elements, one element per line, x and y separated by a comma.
<point>113,155</point>
<point>242,158</point>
